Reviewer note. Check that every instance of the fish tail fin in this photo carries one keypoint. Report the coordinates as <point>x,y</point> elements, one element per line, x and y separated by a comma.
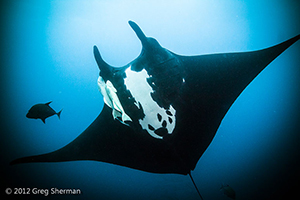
<point>58,114</point>
<point>222,186</point>
<point>195,185</point>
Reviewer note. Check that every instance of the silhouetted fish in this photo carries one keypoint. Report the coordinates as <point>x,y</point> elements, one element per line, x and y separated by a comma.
<point>42,111</point>
<point>228,191</point>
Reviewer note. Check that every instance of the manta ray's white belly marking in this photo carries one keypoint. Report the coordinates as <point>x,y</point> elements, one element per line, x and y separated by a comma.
<point>155,116</point>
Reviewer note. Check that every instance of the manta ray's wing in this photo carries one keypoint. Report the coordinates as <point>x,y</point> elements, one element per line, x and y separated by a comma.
<point>213,82</point>
<point>218,79</point>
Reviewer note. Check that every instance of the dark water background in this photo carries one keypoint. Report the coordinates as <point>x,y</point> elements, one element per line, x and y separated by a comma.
<point>46,55</point>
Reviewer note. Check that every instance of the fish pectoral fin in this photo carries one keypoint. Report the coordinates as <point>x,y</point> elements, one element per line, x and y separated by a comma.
<point>116,114</point>
<point>125,117</point>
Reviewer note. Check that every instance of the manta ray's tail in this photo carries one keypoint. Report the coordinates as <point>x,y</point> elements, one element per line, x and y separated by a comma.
<point>195,185</point>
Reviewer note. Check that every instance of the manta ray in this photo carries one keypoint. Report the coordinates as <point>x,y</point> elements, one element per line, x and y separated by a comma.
<point>162,110</point>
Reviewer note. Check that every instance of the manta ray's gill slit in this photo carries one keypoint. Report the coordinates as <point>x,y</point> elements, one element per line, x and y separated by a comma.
<point>157,121</point>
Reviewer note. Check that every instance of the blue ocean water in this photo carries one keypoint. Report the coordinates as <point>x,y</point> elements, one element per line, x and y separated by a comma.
<point>47,56</point>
